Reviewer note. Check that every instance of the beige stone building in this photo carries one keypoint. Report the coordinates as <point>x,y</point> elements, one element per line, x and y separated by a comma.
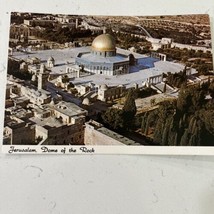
<point>106,93</point>
<point>18,132</point>
<point>60,124</point>
<point>24,31</point>
<point>34,118</point>
<point>38,97</point>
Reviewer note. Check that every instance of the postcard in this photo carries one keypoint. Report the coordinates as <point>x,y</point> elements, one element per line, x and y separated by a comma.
<point>89,84</point>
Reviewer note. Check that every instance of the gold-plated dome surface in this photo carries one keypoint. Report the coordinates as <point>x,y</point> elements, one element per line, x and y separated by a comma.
<point>104,42</point>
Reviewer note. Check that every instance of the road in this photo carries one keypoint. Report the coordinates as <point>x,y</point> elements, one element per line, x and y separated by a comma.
<point>65,95</point>
<point>146,32</point>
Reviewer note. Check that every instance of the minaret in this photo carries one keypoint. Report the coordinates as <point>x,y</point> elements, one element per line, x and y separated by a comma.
<point>50,62</point>
<point>104,30</point>
<point>42,77</point>
<point>77,23</point>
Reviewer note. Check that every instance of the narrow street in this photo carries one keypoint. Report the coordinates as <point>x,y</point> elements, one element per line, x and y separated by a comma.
<point>65,95</point>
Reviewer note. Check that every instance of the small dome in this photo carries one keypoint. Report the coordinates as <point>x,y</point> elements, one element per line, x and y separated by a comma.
<point>51,59</point>
<point>33,78</point>
<point>104,42</point>
<point>38,93</point>
<point>86,101</point>
<point>104,87</point>
<point>35,58</point>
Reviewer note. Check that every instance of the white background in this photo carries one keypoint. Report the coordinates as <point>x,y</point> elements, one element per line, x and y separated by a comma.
<point>103,184</point>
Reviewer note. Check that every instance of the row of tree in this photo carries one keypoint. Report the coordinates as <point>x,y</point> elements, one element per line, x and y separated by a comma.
<point>184,54</point>
<point>187,121</point>
<point>13,68</point>
<point>179,37</point>
<point>62,35</point>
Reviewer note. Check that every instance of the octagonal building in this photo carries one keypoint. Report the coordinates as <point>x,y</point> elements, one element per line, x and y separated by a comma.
<point>103,57</point>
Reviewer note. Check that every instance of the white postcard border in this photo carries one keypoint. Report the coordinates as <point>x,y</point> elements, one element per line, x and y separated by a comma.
<point>116,150</point>
<point>96,7</point>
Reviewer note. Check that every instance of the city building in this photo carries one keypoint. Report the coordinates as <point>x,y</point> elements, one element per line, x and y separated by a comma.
<point>106,93</point>
<point>59,124</point>
<point>24,31</point>
<point>18,132</point>
<point>34,116</point>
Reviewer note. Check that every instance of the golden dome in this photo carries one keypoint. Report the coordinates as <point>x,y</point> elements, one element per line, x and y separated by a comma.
<point>104,42</point>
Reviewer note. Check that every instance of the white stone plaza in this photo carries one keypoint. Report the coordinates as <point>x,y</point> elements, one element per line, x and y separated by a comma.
<point>95,61</point>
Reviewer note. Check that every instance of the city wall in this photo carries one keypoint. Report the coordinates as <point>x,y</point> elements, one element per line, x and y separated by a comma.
<point>95,137</point>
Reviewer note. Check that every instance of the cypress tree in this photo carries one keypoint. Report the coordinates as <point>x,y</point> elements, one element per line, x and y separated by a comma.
<point>185,138</point>
<point>129,109</point>
<point>165,135</point>
<point>143,123</point>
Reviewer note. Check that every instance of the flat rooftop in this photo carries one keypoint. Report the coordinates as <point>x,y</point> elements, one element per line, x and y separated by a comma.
<point>48,123</point>
<point>20,99</point>
<point>13,122</point>
<point>66,56</point>
<point>136,76</point>
<point>145,103</point>
<point>147,66</point>
<point>69,109</point>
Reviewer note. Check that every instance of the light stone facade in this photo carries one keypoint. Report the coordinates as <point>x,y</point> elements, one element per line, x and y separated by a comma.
<point>106,93</point>
<point>18,132</point>
<point>96,134</point>
<point>50,62</point>
<point>71,134</point>
<point>60,124</point>
<point>36,119</point>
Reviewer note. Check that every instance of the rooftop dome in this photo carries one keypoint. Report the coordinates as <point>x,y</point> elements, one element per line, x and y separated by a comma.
<point>104,87</point>
<point>51,59</point>
<point>104,42</point>
<point>34,58</point>
<point>86,101</point>
<point>33,78</point>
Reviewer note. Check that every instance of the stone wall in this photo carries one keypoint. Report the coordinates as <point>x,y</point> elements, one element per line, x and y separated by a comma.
<point>95,137</point>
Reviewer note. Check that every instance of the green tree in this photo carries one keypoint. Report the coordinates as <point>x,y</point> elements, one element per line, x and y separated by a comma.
<point>207,116</point>
<point>183,101</point>
<point>185,138</point>
<point>113,118</point>
<point>211,89</point>
<point>163,120</point>
<point>65,79</point>
<point>129,108</point>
